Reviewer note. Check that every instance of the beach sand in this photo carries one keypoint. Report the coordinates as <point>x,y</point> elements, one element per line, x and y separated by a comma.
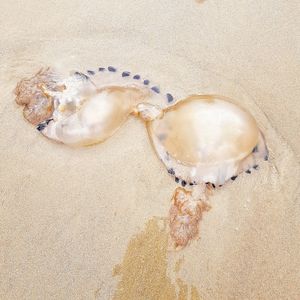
<point>89,223</point>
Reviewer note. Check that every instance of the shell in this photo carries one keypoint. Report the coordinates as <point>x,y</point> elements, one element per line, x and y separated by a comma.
<point>206,139</point>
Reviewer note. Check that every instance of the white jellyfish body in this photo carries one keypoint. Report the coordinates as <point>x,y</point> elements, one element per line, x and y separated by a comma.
<point>81,109</point>
<point>206,139</point>
<point>93,119</point>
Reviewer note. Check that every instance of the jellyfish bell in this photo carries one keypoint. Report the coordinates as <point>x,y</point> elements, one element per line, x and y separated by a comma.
<point>206,139</point>
<point>80,109</point>
<point>95,118</point>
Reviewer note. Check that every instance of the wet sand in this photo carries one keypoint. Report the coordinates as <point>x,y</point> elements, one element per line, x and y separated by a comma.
<point>75,222</point>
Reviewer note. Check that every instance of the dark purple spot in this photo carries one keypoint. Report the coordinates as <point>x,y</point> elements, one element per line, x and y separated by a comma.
<point>213,185</point>
<point>111,69</point>
<point>101,69</point>
<point>169,98</point>
<point>155,89</point>
<point>255,167</point>
<point>146,82</point>
<point>248,172</point>
<point>91,72</point>
<point>176,179</point>
<point>171,171</point>
<point>233,177</point>
<point>255,149</point>
<point>79,74</point>
<point>136,77</point>
<point>125,74</point>
<point>183,183</point>
<point>41,126</point>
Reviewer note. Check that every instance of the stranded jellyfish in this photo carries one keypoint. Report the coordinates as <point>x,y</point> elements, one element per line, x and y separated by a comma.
<point>203,140</point>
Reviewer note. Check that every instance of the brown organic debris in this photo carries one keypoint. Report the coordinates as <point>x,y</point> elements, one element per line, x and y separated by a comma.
<point>185,215</point>
<point>38,105</point>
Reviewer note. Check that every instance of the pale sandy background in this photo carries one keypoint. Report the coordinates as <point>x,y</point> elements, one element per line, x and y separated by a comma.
<point>69,216</point>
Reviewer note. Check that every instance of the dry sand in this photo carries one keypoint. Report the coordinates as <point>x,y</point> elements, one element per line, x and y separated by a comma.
<point>87,223</point>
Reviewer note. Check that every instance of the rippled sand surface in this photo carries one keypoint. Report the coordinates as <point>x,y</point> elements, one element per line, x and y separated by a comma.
<point>89,223</point>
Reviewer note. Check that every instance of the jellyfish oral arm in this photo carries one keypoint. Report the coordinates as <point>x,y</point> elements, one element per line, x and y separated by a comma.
<point>186,213</point>
<point>147,111</point>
